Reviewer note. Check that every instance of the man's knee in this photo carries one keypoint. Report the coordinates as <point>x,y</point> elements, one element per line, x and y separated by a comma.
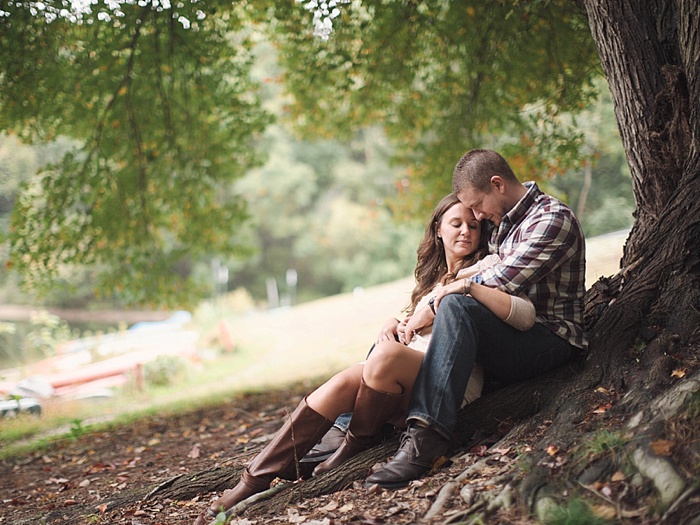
<point>460,304</point>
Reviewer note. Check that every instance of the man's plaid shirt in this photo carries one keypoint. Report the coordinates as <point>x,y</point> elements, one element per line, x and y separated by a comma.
<point>543,257</point>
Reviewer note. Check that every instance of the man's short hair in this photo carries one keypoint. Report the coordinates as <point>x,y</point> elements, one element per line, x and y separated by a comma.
<point>477,167</point>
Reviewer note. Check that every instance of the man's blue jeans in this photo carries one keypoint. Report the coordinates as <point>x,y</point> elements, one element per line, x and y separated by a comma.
<point>465,332</point>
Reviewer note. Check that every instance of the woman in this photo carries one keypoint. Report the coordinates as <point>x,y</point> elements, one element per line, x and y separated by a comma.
<point>377,390</point>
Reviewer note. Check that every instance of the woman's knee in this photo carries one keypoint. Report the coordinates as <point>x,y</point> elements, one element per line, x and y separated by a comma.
<point>347,379</point>
<point>384,360</point>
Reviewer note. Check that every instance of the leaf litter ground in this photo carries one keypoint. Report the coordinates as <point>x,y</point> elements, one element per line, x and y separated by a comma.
<point>78,480</point>
<point>72,481</point>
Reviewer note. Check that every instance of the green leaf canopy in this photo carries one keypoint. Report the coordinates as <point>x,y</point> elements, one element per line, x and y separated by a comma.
<point>164,117</point>
<point>445,76</point>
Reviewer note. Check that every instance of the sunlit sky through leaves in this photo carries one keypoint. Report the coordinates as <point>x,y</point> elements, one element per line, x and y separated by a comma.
<point>87,11</point>
<point>324,13</point>
<point>81,11</point>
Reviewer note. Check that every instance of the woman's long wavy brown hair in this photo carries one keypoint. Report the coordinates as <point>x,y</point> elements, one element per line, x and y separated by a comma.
<point>431,267</point>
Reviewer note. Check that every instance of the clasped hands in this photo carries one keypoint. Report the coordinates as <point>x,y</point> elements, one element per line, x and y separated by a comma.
<point>395,330</point>
<point>403,331</point>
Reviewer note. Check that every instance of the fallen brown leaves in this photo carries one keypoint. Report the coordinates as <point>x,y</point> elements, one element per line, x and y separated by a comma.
<point>101,478</point>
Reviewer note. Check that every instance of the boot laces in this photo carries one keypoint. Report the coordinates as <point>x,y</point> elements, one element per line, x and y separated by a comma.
<point>408,443</point>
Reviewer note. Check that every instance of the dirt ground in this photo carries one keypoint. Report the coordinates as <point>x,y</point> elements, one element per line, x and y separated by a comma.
<point>74,481</point>
<point>105,477</point>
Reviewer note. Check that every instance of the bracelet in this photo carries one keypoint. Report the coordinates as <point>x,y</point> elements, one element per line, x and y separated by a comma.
<point>431,303</point>
<point>467,287</point>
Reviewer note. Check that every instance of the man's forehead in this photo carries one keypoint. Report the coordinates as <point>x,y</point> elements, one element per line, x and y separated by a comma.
<point>469,195</point>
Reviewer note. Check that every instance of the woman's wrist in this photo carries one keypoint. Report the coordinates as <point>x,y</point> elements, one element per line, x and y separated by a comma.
<point>466,286</point>
<point>467,283</point>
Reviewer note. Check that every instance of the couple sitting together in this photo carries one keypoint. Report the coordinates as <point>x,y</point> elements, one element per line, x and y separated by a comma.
<point>510,315</point>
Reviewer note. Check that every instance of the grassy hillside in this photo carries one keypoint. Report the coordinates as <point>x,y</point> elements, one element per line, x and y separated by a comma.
<point>317,338</point>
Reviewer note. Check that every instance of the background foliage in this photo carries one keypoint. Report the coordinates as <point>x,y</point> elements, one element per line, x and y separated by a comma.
<point>163,116</point>
<point>445,77</point>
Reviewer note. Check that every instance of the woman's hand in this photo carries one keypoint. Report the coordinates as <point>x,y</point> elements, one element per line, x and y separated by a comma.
<point>389,331</point>
<point>453,287</point>
<point>419,320</point>
<point>401,330</point>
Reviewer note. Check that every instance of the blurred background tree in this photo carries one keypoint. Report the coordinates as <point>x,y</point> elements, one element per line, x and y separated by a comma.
<point>599,191</point>
<point>158,101</point>
<point>445,77</point>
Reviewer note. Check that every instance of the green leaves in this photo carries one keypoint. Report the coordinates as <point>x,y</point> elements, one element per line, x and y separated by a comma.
<point>164,119</point>
<point>445,77</point>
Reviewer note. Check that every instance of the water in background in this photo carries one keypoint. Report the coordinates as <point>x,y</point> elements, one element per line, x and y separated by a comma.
<point>26,342</point>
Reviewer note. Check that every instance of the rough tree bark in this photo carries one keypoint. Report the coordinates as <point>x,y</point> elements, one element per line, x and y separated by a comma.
<point>646,318</point>
<point>650,52</point>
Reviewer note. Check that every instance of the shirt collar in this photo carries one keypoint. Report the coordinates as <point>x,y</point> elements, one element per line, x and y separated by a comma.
<point>515,215</point>
<point>522,207</point>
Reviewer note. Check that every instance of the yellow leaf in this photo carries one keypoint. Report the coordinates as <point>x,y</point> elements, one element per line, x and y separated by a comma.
<point>678,373</point>
<point>597,485</point>
<point>552,450</point>
<point>602,409</point>
<point>618,476</point>
<point>439,462</point>
<point>604,511</point>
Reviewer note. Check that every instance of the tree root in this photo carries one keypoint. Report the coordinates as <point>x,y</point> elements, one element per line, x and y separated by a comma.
<point>443,497</point>
<point>240,507</point>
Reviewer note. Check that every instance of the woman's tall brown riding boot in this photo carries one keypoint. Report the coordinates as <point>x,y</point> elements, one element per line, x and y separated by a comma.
<point>372,409</point>
<point>304,428</point>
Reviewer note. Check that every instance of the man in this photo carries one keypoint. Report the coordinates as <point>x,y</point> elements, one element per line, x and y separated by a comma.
<point>542,251</point>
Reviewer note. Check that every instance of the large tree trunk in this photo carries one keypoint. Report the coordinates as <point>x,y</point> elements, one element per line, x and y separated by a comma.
<point>651,57</point>
<point>645,321</point>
